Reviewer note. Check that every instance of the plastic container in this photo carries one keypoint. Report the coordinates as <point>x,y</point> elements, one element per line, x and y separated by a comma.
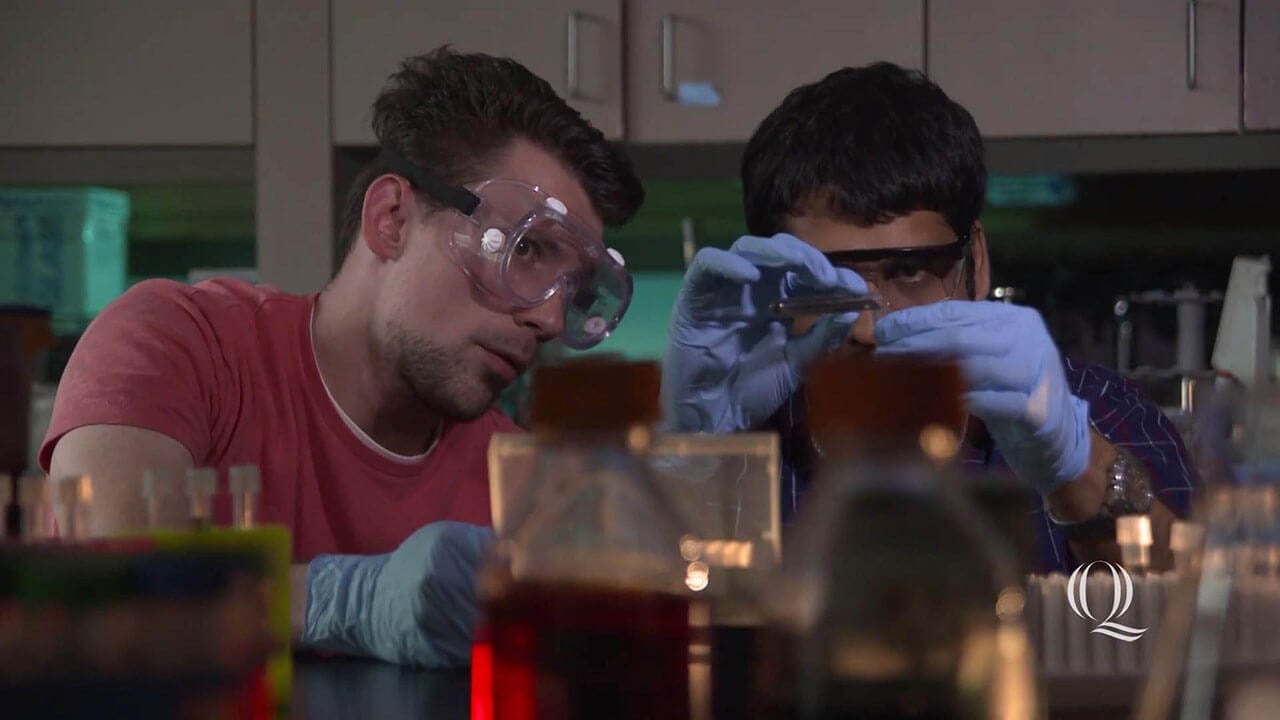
<point>64,249</point>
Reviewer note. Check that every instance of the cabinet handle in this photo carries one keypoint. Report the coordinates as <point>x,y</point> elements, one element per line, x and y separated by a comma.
<point>571,54</point>
<point>669,56</point>
<point>1191,43</point>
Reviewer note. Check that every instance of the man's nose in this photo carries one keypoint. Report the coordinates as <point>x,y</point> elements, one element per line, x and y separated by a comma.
<point>546,320</point>
<point>862,333</point>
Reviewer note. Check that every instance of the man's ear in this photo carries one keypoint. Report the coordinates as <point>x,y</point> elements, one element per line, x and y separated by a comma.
<point>981,263</point>
<point>389,207</point>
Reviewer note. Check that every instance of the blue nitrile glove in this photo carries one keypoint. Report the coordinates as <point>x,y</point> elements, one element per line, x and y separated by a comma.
<point>414,606</point>
<point>1015,377</point>
<point>729,366</point>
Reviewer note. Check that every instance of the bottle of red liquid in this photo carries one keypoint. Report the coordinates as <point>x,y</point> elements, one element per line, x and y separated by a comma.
<point>587,599</point>
<point>481,674</point>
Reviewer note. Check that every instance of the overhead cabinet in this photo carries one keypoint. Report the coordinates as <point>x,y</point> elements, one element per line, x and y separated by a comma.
<point>1090,67</point>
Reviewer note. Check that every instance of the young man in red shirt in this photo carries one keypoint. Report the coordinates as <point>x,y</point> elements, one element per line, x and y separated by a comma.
<point>475,237</point>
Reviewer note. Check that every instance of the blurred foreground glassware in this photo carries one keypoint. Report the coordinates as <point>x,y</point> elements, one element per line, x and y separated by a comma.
<point>590,604</point>
<point>192,512</point>
<point>895,597</point>
<point>35,508</point>
<point>1222,630</point>
<point>725,488</point>
<point>94,630</point>
<point>15,411</point>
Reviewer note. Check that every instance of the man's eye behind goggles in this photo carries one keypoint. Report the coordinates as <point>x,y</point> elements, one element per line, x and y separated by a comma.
<point>520,245</point>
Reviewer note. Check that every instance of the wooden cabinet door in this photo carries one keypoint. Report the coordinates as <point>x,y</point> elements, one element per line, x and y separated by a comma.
<point>710,70</point>
<point>566,42</point>
<point>143,72</point>
<point>1090,67</point>
<point>1262,66</point>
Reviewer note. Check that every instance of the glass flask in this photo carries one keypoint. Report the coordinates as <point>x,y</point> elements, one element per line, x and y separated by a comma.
<point>896,597</point>
<point>589,607</point>
<point>725,486</point>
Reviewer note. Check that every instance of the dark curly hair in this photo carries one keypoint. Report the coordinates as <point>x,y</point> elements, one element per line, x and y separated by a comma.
<point>873,143</point>
<point>453,113</point>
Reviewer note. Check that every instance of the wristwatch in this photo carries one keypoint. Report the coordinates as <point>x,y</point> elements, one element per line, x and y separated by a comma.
<point>1128,493</point>
<point>1128,487</point>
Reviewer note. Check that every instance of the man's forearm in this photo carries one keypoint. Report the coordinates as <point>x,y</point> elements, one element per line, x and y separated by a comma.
<point>115,457</point>
<point>1082,499</point>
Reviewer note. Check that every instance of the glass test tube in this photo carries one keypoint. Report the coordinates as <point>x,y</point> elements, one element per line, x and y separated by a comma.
<point>7,498</point>
<point>1133,535</point>
<point>202,483</point>
<point>834,303</point>
<point>246,484</point>
<point>75,494</point>
<point>163,502</point>
<point>1185,541</point>
<point>34,504</point>
<point>152,487</point>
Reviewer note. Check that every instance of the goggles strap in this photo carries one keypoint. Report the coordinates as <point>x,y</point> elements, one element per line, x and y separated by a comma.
<point>458,198</point>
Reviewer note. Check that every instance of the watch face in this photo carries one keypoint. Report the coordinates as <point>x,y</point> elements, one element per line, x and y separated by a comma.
<point>1143,497</point>
<point>1133,488</point>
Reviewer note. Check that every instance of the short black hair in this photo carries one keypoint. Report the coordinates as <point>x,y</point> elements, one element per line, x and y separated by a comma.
<point>873,143</point>
<point>453,113</point>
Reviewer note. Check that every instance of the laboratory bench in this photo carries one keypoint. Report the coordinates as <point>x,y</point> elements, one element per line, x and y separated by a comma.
<point>339,688</point>
<point>355,689</point>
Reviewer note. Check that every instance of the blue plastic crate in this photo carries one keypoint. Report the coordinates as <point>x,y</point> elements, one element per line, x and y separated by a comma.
<point>64,249</point>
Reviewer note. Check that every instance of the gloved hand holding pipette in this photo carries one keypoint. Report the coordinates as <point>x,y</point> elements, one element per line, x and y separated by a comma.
<point>731,361</point>
<point>730,364</point>
<point>416,605</point>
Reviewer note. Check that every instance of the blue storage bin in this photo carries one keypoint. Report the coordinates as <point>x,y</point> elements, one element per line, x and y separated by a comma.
<point>64,249</point>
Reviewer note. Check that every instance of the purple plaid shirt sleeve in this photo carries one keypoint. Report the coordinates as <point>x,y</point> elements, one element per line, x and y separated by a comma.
<point>1117,410</point>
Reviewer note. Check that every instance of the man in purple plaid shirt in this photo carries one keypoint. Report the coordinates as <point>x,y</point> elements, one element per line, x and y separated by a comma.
<point>871,182</point>
<point>1117,411</point>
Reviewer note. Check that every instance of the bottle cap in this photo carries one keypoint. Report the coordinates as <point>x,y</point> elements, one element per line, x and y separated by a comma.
<point>592,395</point>
<point>886,401</point>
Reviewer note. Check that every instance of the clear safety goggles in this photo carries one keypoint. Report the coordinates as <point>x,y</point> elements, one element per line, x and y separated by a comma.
<point>522,246</point>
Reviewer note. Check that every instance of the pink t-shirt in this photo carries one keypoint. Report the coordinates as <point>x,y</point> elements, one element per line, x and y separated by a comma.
<point>227,369</point>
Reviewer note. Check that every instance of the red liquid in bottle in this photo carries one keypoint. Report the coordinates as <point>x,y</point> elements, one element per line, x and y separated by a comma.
<point>482,675</point>
<point>575,652</point>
